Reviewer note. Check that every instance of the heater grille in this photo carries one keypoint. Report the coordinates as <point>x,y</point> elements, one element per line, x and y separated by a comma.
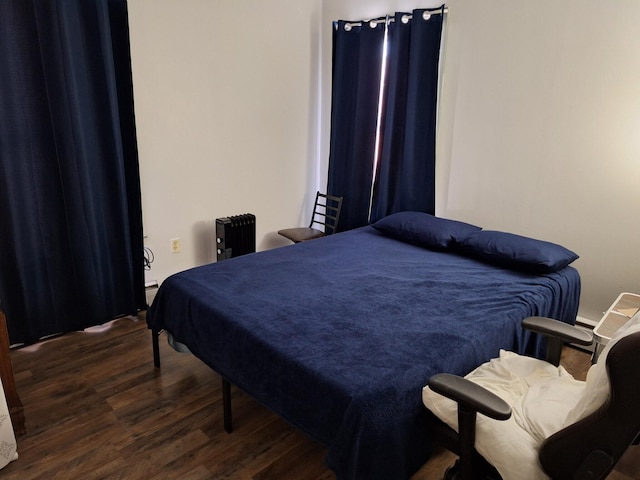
<point>235,236</point>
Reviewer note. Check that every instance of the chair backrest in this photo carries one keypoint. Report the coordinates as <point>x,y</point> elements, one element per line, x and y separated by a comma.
<point>589,448</point>
<point>326,213</point>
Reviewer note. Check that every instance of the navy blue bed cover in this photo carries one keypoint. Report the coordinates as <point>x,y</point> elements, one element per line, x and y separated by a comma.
<point>339,335</point>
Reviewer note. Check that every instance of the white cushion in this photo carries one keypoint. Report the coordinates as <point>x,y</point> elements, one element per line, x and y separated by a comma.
<point>543,409</point>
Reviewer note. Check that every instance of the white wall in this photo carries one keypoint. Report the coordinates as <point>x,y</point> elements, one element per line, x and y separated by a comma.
<point>538,122</point>
<point>225,97</point>
<point>543,110</point>
<point>539,126</point>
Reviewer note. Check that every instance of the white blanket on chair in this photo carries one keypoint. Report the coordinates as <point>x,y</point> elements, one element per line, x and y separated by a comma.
<point>543,399</point>
<point>540,396</point>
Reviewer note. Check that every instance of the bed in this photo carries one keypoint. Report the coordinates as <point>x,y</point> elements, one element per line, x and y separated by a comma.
<point>339,335</point>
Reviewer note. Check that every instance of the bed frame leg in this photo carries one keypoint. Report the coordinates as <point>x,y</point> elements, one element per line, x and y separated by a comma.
<point>226,385</point>
<point>226,405</point>
<point>156,347</point>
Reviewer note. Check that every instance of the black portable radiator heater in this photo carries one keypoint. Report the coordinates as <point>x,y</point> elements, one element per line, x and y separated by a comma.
<point>235,236</point>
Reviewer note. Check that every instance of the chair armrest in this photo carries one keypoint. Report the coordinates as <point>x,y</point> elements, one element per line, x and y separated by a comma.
<point>470,395</point>
<point>557,329</point>
<point>557,333</point>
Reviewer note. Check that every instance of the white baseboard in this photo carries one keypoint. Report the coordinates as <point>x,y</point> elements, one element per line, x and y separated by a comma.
<point>586,322</point>
<point>151,288</point>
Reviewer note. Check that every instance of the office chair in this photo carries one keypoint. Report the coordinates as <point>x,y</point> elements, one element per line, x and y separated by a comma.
<point>326,213</point>
<point>536,421</point>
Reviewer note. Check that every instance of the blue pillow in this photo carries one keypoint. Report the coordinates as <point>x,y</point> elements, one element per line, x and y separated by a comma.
<point>516,252</point>
<point>423,229</point>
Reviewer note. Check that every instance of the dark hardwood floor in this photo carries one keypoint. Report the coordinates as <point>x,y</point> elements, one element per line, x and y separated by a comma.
<point>96,407</point>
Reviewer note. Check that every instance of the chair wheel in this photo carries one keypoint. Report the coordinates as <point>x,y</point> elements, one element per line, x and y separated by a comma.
<point>452,472</point>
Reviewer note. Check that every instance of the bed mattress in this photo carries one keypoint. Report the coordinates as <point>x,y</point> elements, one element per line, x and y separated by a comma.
<point>339,335</point>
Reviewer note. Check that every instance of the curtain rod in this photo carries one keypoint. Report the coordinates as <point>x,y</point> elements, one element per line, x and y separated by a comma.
<point>426,15</point>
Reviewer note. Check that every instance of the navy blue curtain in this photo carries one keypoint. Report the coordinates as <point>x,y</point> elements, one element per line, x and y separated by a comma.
<point>357,60</point>
<point>70,208</point>
<point>405,172</point>
<point>406,167</point>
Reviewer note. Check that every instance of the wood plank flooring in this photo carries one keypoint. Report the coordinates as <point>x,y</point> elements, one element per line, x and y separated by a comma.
<point>96,408</point>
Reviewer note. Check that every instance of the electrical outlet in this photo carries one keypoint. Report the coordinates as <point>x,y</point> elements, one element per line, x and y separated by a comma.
<point>175,245</point>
